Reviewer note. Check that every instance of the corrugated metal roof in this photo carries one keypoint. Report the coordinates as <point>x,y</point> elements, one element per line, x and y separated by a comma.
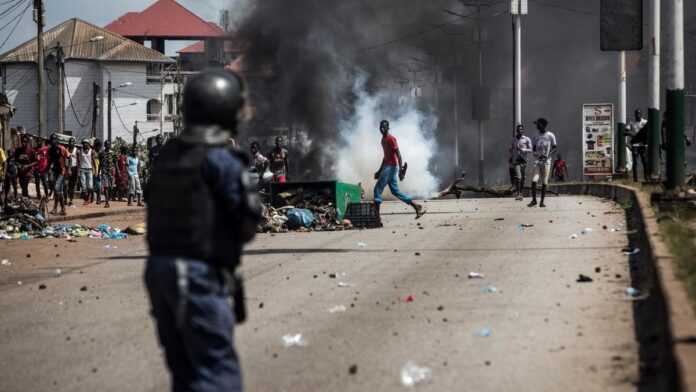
<point>76,38</point>
<point>231,46</point>
<point>164,19</point>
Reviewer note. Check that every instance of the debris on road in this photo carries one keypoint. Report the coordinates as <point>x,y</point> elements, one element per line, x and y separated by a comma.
<point>337,309</point>
<point>62,230</point>
<point>586,231</point>
<point>630,251</point>
<point>584,279</point>
<point>344,284</point>
<point>5,262</point>
<point>58,272</point>
<point>409,298</point>
<point>291,340</point>
<point>353,370</point>
<point>489,289</point>
<point>138,229</point>
<point>483,332</point>
<point>475,275</point>
<point>42,287</point>
<point>362,245</point>
<point>632,292</point>
<point>573,236</point>
<point>412,374</point>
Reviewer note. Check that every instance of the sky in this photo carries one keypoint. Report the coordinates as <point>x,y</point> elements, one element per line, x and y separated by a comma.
<point>98,12</point>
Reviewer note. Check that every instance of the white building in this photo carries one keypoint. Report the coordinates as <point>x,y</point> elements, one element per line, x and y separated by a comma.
<point>93,57</point>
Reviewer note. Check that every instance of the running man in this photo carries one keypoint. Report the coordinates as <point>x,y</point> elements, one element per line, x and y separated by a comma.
<point>392,164</point>
<point>520,148</point>
<point>544,147</point>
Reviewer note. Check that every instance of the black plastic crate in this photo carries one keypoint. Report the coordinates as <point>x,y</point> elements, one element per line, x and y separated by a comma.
<point>363,214</point>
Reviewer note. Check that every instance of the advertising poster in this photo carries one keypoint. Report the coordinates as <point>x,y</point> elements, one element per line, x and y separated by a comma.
<point>598,139</point>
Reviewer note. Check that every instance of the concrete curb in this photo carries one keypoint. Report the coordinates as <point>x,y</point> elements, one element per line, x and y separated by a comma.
<point>680,324</point>
<point>92,215</point>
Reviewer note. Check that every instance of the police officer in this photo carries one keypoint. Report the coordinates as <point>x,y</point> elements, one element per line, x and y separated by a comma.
<point>199,216</point>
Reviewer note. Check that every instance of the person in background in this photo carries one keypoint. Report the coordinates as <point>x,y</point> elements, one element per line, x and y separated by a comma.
<point>279,161</point>
<point>96,180</point>
<point>134,190</point>
<point>560,169</point>
<point>155,151</point>
<point>41,170</point>
<point>11,172</point>
<point>638,134</point>
<point>72,178</point>
<point>86,164</point>
<point>107,161</point>
<point>24,157</point>
<point>520,148</point>
<point>121,171</point>
<point>259,163</point>
<point>58,158</point>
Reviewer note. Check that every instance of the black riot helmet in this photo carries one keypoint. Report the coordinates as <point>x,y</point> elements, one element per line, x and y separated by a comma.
<point>213,102</point>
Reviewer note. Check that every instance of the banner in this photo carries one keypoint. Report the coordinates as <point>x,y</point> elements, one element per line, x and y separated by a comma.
<point>598,139</point>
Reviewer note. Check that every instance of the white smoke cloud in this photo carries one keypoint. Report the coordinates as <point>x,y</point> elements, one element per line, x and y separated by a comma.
<point>360,152</point>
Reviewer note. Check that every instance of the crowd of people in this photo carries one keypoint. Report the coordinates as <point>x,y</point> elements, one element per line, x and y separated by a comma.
<point>60,169</point>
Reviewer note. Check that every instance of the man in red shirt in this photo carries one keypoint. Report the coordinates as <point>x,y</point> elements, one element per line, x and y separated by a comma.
<point>392,164</point>
<point>57,163</point>
<point>41,169</point>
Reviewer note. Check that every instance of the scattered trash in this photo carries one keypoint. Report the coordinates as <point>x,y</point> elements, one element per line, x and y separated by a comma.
<point>586,231</point>
<point>19,283</point>
<point>83,288</point>
<point>573,236</point>
<point>524,226</point>
<point>138,229</point>
<point>42,287</point>
<point>630,251</point>
<point>598,269</point>
<point>409,298</point>
<point>344,284</point>
<point>584,279</point>
<point>483,332</point>
<point>58,272</point>
<point>412,374</point>
<point>499,219</point>
<point>299,217</point>
<point>362,244</point>
<point>353,369</point>
<point>337,309</point>
<point>293,340</point>
<point>5,262</point>
<point>475,275</point>
<point>489,289</point>
<point>632,292</point>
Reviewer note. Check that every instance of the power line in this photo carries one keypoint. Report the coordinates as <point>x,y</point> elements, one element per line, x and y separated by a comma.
<point>15,26</point>
<point>77,118</point>
<point>11,8</point>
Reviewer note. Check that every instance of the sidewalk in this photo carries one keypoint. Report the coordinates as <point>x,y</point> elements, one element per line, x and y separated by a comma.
<point>80,211</point>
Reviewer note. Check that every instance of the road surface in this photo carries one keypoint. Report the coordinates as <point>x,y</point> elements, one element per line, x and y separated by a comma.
<point>408,298</point>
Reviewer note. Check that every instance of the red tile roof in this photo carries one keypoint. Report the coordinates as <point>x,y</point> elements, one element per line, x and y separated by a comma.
<point>164,19</point>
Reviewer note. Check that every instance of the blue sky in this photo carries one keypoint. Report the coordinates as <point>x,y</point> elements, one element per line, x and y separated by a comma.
<point>98,12</point>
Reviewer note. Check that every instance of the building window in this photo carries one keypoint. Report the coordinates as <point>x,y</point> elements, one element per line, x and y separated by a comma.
<point>154,73</point>
<point>154,108</point>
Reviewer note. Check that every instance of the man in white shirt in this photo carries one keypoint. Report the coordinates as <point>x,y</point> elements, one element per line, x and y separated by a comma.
<point>638,134</point>
<point>544,147</point>
<point>520,148</point>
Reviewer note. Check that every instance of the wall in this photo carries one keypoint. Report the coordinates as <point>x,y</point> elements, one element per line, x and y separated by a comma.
<point>79,79</point>
<point>130,102</point>
<point>21,89</point>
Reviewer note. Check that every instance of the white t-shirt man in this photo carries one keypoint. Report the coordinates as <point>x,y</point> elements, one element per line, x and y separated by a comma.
<point>544,143</point>
<point>520,149</point>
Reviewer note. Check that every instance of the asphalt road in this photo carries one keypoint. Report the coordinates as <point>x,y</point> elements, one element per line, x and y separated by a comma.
<point>547,332</point>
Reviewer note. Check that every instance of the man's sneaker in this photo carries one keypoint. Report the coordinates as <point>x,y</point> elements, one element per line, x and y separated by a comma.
<point>532,203</point>
<point>420,211</point>
<point>542,205</point>
<point>519,197</point>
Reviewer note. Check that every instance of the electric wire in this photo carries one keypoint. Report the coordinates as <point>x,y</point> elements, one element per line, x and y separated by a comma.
<point>15,26</point>
<point>13,7</point>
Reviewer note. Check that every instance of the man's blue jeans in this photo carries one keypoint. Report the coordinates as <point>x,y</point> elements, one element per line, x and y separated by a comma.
<point>190,304</point>
<point>388,176</point>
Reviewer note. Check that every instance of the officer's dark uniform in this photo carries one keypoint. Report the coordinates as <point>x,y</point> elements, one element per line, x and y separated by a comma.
<point>199,216</point>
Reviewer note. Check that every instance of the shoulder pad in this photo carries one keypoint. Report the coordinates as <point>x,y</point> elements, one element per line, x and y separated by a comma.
<point>241,155</point>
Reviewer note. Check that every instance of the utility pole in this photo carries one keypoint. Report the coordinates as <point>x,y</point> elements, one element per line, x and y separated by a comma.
<point>621,125</point>
<point>60,66</point>
<point>481,178</point>
<point>38,18</point>
<point>95,108</point>
<point>675,97</point>
<point>108,112</point>
<point>517,8</point>
<point>456,116</point>
<point>654,120</point>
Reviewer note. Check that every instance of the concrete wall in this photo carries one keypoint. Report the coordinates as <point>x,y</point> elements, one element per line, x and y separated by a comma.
<point>19,83</point>
<point>130,102</point>
<point>80,77</point>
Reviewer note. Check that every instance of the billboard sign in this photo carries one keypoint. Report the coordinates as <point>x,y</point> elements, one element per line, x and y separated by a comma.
<point>598,139</point>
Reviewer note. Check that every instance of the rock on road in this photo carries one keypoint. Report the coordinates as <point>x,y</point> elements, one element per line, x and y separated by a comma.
<point>407,297</point>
